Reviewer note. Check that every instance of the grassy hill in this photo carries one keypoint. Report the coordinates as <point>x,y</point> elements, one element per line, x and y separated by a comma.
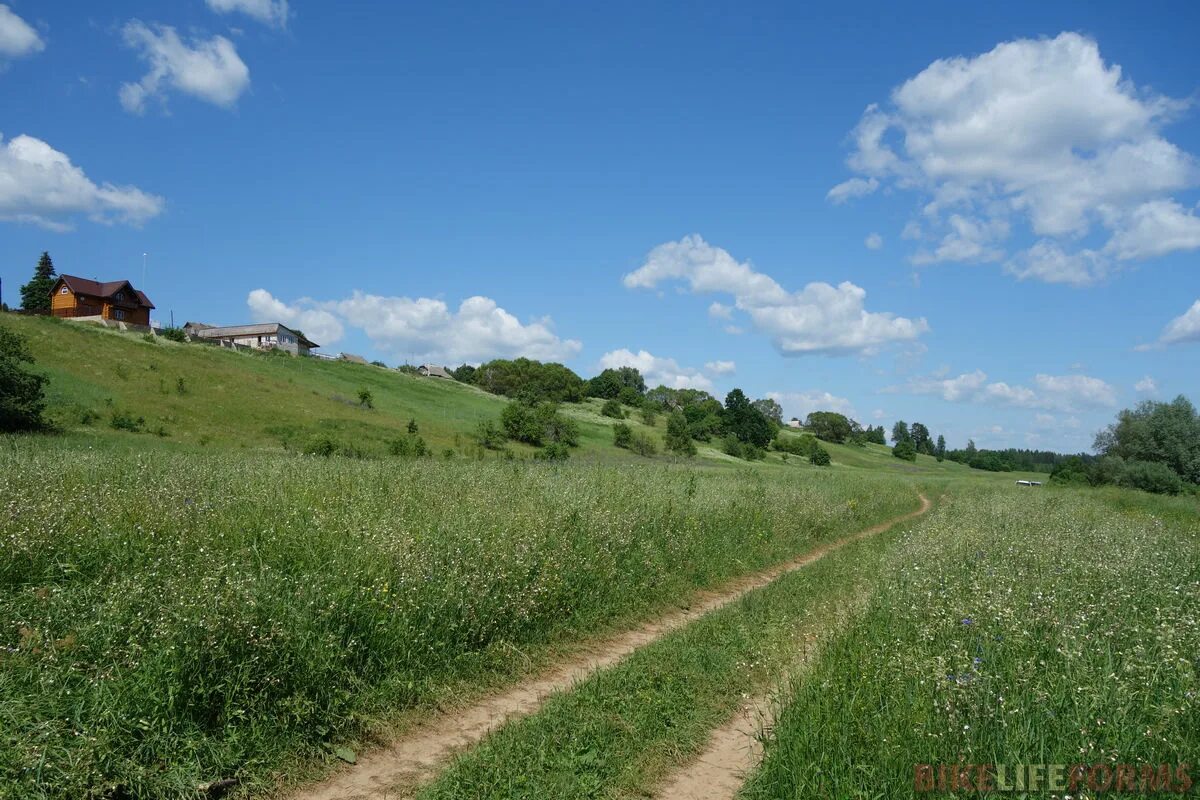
<point>195,396</point>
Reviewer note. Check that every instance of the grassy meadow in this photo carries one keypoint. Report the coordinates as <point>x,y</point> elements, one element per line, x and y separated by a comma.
<point>179,618</point>
<point>200,398</point>
<point>1011,627</point>
<point>196,599</point>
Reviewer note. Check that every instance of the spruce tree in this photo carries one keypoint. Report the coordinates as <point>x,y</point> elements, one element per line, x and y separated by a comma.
<point>35,295</point>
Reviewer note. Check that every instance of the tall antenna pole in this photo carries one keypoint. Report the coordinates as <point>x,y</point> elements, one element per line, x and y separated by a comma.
<point>143,287</point>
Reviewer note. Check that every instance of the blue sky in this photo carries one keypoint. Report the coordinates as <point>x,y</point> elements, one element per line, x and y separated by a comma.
<point>979,216</point>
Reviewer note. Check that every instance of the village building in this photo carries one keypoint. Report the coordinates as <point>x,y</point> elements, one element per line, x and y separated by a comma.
<point>353,359</point>
<point>86,300</point>
<point>260,336</point>
<point>434,371</point>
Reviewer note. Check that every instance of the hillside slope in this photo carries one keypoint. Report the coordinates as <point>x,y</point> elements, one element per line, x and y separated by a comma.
<point>191,396</point>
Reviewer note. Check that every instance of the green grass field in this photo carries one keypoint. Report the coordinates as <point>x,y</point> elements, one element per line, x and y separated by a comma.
<point>194,396</point>
<point>1011,627</point>
<point>180,617</point>
<point>200,600</point>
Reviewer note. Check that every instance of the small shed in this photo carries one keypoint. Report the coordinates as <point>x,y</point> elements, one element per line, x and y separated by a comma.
<point>434,371</point>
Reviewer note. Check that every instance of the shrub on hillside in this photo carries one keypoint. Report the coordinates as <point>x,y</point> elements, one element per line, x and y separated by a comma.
<point>679,437</point>
<point>555,451</point>
<point>905,450</point>
<point>612,408</point>
<point>411,446</point>
<point>22,396</point>
<point>321,445</point>
<point>643,444</point>
<point>622,435</point>
<point>538,424</point>
<point>173,334</point>
<point>820,457</point>
<point>649,415</point>
<point>125,421</point>
<point>489,435</point>
<point>748,451</point>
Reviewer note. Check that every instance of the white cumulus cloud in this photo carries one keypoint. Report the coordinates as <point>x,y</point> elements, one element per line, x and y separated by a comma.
<point>1184,328</point>
<point>423,327</point>
<point>269,12</point>
<point>210,70</point>
<point>317,324</point>
<point>39,184</point>
<point>720,367</point>
<point>818,319</point>
<point>855,187</point>
<point>801,404</point>
<point>873,241</point>
<point>17,38</point>
<point>657,370</point>
<point>1037,133</point>
<point>1146,386</point>
<point>1050,392</point>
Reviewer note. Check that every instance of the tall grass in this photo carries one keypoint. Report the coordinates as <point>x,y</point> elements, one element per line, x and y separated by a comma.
<point>174,619</point>
<point>1014,627</point>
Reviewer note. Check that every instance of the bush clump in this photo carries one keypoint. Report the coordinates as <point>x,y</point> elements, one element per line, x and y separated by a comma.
<point>622,435</point>
<point>538,424</point>
<point>612,408</point>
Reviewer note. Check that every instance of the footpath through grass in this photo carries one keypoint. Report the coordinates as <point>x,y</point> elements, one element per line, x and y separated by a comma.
<point>171,619</point>
<point>1012,628</point>
<point>622,730</point>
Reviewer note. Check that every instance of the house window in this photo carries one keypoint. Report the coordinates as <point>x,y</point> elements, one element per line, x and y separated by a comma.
<point>118,313</point>
<point>120,297</point>
<point>63,290</point>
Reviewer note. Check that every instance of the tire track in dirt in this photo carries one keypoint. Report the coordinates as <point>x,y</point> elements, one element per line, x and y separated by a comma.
<point>734,749</point>
<point>396,770</point>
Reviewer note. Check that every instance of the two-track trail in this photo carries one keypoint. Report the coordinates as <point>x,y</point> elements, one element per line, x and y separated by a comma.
<point>396,770</point>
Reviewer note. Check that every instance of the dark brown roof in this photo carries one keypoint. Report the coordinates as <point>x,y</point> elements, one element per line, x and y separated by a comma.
<point>105,290</point>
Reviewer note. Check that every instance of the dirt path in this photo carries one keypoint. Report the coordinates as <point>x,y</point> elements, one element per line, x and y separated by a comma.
<point>734,749</point>
<point>395,771</point>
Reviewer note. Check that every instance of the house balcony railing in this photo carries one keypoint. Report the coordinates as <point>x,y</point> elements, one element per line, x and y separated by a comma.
<point>77,311</point>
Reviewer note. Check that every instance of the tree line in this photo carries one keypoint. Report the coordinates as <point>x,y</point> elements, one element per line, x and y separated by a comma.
<point>1154,446</point>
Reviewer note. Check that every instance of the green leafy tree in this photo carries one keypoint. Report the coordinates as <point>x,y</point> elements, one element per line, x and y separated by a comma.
<point>745,422</point>
<point>35,295</point>
<point>921,438</point>
<point>679,435</point>
<point>940,450</point>
<point>769,409</point>
<point>905,450</point>
<point>1156,432</point>
<point>22,395</point>
<point>830,426</point>
<point>464,374</point>
<point>900,432</point>
<point>531,381</point>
